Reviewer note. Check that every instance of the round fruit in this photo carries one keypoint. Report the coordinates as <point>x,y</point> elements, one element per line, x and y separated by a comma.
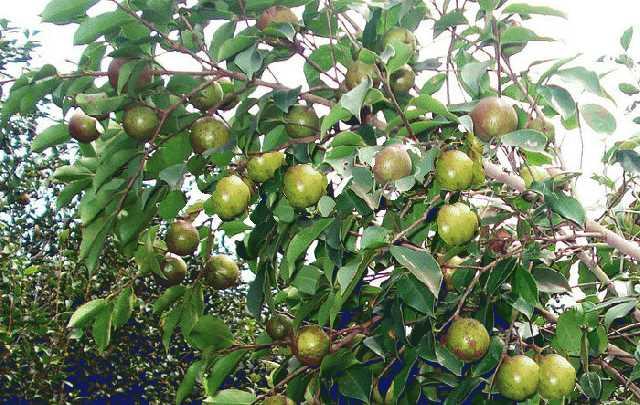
<point>230,98</point>
<point>312,344</point>
<point>301,121</point>
<point>402,80</point>
<point>83,129</point>
<point>454,170</point>
<point>262,167</point>
<point>279,327</point>
<point>468,339</point>
<point>231,197</point>
<point>543,125</point>
<point>457,224</point>
<point>557,377</point>
<point>113,72</point>
<point>182,238</point>
<point>208,133</point>
<point>357,72</point>
<point>173,269</point>
<point>304,186</point>
<point>533,173</point>
<point>140,122</point>
<point>208,97</point>
<point>518,377</point>
<point>276,15</point>
<point>493,117</point>
<point>278,400</point>
<point>400,34</point>
<point>449,269</point>
<point>24,198</point>
<point>221,272</point>
<point>392,163</point>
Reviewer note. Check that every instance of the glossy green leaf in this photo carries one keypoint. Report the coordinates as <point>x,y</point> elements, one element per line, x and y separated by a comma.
<point>52,136</point>
<point>421,264</point>
<point>598,118</point>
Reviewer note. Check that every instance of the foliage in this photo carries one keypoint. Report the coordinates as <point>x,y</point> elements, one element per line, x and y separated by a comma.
<point>366,260</point>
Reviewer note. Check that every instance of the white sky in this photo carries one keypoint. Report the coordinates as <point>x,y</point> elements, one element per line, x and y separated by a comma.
<point>593,29</point>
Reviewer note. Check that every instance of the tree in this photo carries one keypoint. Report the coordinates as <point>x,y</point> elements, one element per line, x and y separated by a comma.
<point>393,259</point>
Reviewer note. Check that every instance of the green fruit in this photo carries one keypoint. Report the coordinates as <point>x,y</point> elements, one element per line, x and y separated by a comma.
<point>449,269</point>
<point>518,377</point>
<point>140,122</point>
<point>113,72</point>
<point>173,270</point>
<point>230,98</point>
<point>468,339</point>
<point>557,377</point>
<point>83,128</point>
<point>304,186</point>
<point>543,125</point>
<point>402,80</point>
<point>262,167</point>
<point>301,121</point>
<point>208,133</point>
<point>454,170</point>
<point>278,400</point>
<point>276,15</point>
<point>182,238</point>
<point>533,173</point>
<point>221,272</point>
<point>402,35</point>
<point>457,224</point>
<point>392,163</point>
<point>231,197</point>
<point>208,97</point>
<point>279,327</point>
<point>493,117</point>
<point>312,344</point>
<point>357,72</point>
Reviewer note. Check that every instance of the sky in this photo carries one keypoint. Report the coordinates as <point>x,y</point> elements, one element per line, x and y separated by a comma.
<point>592,29</point>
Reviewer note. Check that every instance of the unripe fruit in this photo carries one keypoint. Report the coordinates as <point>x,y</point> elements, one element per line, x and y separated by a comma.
<point>278,400</point>
<point>557,377</point>
<point>83,128</point>
<point>457,224</point>
<point>468,339</point>
<point>230,98</point>
<point>357,72</point>
<point>449,269</point>
<point>182,238</point>
<point>312,344</point>
<point>301,121</point>
<point>533,173</point>
<point>543,125</point>
<point>173,269</point>
<point>279,327</point>
<point>262,167</point>
<point>518,377</point>
<point>304,186</point>
<point>113,72</point>
<point>231,197</point>
<point>493,117</point>
<point>208,97</point>
<point>401,35</point>
<point>221,272</point>
<point>208,133</point>
<point>402,80</point>
<point>454,170</point>
<point>392,163</point>
<point>276,15</point>
<point>140,122</point>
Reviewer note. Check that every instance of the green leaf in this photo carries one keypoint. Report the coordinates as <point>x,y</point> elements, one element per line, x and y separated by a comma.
<point>65,11</point>
<point>300,243</point>
<point>448,360</point>
<point>421,264</point>
<point>307,278</point>
<point>565,206</point>
<point>171,205</point>
<point>101,329</point>
<point>210,333</point>
<point>585,78</point>
<point>628,88</point>
<point>527,139</point>
<point>401,56</point>
<point>375,237</point>
<point>168,323</point>
<point>86,312</point>
<point>471,74</point>
<point>352,101</point>
<point>123,307</point>
<point>189,381</point>
<point>524,287</point>
<point>94,27</point>
<point>598,118</point>
<point>460,394</point>
<point>618,311</point>
<point>528,9</point>
<point>356,383</point>
<point>625,39</point>
<point>232,396</point>
<point>568,337</point>
<point>223,34</point>
<point>222,368</point>
<point>520,35</point>
<point>326,205</point>
<point>560,99</point>
<point>550,281</point>
<point>451,19</point>
<point>250,60</point>
<point>491,359</point>
<point>591,385</point>
<point>100,103</point>
<point>337,113</point>
<point>52,136</point>
<point>168,297</point>
<point>233,46</point>
<point>629,159</point>
<point>414,294</point>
